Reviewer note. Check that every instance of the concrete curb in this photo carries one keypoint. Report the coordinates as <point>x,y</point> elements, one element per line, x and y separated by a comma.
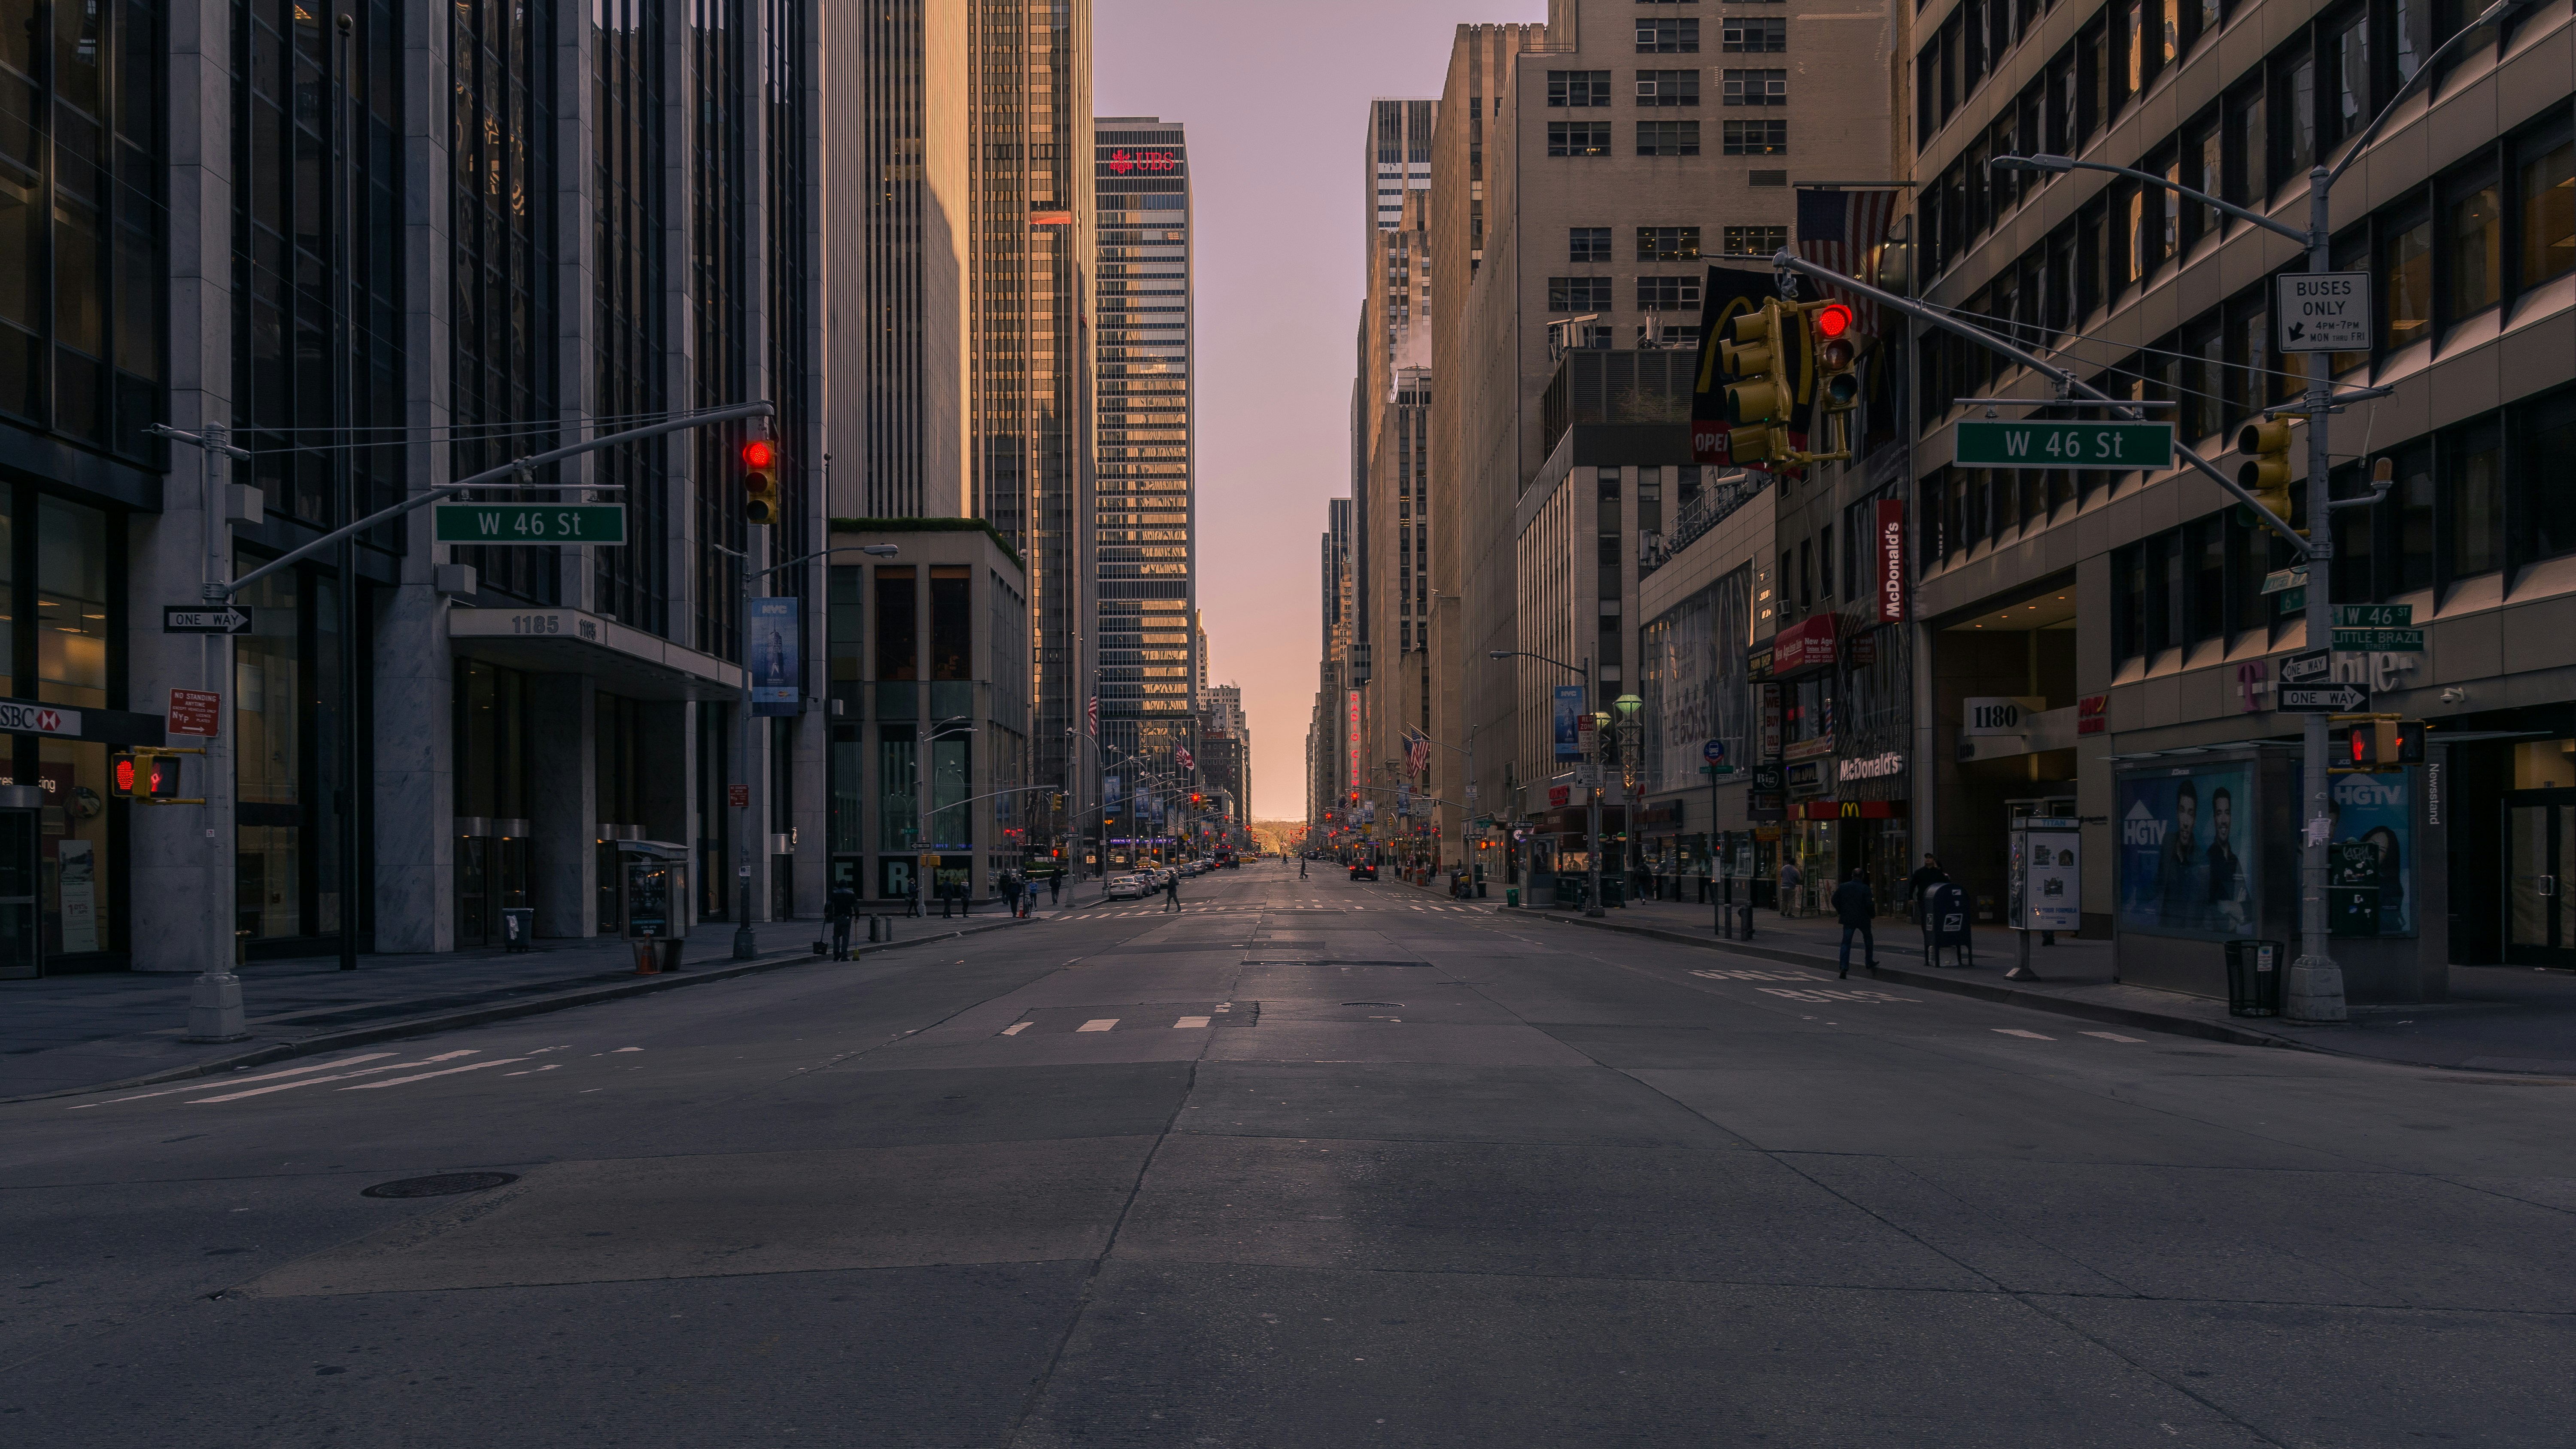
<point>497,1011</point>
<point>1926,980</point>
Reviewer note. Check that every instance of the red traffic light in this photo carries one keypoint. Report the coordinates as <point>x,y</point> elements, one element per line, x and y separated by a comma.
<point>759,454</point>
<point>1833,320</point>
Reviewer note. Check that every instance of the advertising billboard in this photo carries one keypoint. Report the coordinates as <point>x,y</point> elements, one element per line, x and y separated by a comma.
<point>776,675</point>
<point>2189,863</point>
<point>1569,715</point>
<point>2377,809</point>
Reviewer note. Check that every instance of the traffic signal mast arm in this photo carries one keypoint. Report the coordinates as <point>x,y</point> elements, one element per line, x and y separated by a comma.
<point>1791,261</point>
<point>490,476</point>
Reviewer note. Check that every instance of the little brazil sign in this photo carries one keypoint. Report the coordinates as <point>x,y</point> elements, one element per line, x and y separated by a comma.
<point>507,523</point>
<point>1984,444</point>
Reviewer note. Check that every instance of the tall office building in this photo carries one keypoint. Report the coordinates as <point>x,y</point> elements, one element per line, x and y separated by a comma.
<point>1030,345</point>
<point>1144,532</point>
<point>1398,157</point>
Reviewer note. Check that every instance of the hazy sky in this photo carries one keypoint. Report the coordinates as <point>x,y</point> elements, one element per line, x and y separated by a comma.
<point>1275,94</point>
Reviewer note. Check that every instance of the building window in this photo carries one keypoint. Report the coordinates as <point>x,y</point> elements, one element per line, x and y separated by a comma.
<point>1668,138</point>
<point>1578,88</point>
<point>2473,227</point>
<point>1757,138</point>
<point>2473,470</point>
<point>1578,294</point>
<point>1750,35</point>
<point>2406,277</point>
<point>1578,138</point>
<point>631,584</point>
<point>1667,294</point>
<point>1668,37</point>
<point>2544,438</point>
<point>1587,244</point>
<point>1668,88</point>
<point>1756,88</point>
<point>1668,243</point>
<point>1755,241</point>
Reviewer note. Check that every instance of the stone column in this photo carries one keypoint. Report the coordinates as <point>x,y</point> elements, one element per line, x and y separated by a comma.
<point>564,794</point>
<point>180,869</point>
<point>415,786</point>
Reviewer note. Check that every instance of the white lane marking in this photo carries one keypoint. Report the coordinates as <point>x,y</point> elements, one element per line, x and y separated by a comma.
<point>335,1077</point>
<point>2115,1036</point>
<point>425,1076</point>
<point>1190,1021</point>
<point>626,1049</point>
<point>238,1081</point>
<point>1098,1024</point>
<point>2017,1031</point>
<point>1015,1028</point>
<point>550,1066</point>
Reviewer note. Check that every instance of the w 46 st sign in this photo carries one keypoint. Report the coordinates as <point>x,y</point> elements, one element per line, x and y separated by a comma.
<point>1983,444</point>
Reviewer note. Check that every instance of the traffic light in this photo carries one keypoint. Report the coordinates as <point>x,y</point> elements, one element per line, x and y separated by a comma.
<point>2410,741</point>
<point>1837,353</point>
<point>146,777</point>
<point>2265,473</point>
<point>760,481</point>
<point>2369,746</point>
<point>1759,397</point>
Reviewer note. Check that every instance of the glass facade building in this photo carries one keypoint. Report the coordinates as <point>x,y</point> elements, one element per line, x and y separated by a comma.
<point>1144,532</point>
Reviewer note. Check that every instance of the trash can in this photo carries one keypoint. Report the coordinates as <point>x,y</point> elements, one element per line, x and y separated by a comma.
<point>2254,978</point>
<point>518,925</point>
<point>1512,897</point>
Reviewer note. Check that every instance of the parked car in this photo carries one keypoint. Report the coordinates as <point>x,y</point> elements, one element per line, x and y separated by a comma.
<point>1127,888</point>
<point>1363,870</point>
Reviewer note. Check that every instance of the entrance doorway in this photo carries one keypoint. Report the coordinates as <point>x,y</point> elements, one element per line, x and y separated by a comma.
<point>2540,856</point>
<point>491,876</point>
<point>20,953</point>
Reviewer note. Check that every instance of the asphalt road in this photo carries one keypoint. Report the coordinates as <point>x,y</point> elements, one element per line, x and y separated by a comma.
<point>1310,1164</point>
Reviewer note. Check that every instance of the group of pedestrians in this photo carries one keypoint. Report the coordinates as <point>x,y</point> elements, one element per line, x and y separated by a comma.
<point>1855,908</point>
<point>1018,894</point>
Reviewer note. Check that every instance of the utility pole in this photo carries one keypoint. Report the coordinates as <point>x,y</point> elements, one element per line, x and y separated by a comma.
<point>346,564</point>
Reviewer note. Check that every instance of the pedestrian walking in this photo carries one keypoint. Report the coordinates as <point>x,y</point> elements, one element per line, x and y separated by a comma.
<point>1301,867</point>
<point>1919,884</point>
<point>1854,907</point>
<point>1029,899</point>
<point>1055,888</point>
<point>1790,880</point>
<point>1172,892</point>
<point>840,908</point>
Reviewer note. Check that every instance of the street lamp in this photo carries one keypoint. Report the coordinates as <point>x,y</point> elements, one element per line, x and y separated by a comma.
<point>2315,991</point>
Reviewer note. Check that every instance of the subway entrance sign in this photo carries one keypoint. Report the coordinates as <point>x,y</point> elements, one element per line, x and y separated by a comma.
<point>506,523</point>
<point>2038,444</point>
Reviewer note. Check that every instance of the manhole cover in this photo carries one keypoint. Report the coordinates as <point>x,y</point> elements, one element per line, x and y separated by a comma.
<point>441,1185</point>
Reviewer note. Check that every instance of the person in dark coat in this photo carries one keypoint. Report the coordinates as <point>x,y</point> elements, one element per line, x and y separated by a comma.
<point>1172,892</point>
<point>840,907</point>
<point>1854,907</point>
<point>1919,885</point>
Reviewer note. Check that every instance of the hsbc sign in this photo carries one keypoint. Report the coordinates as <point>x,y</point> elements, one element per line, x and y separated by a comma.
<point>19,717</point>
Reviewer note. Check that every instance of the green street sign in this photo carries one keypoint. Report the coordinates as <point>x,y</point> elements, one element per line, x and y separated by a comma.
<point>1717,769</point>
<point>2294,601</point>
<point>2374,616</point>
<point>514,523</point>
<point>1983,444</point>
<point>2391,641</point>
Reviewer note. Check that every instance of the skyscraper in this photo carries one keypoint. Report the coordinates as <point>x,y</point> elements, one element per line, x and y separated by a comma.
<point>1144,532</point>
<point>1398,157</point>
<point>1031,350</point>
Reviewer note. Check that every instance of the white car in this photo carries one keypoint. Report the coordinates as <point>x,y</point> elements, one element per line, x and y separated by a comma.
<point>1127,888</point>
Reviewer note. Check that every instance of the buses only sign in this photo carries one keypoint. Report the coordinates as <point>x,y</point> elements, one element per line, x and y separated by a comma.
<point>2324,312</point>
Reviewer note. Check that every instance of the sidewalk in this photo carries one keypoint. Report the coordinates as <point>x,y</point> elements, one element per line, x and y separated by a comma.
<point>2499,1018</point>
<point>70,1033</point>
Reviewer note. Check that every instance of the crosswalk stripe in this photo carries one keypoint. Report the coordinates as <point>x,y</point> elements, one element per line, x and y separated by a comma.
<point>334,1077</point>
<point>425,1076</point>
<point>1015,1028</point>
<point>2115,1036</point>
<point>1100,1024</point>
<point>1189,1021</point>
<point>2017,1031</point>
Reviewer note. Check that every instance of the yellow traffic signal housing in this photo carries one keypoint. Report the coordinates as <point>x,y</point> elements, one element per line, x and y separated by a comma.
<point>2265,473</point>
<point>1753,359</point>
<point>1831,329</point>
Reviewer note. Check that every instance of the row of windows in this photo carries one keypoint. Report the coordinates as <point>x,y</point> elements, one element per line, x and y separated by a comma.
<point>1736,33</point>
<point>1587,88</point>
<point>1593,294</point>
<point>1669,138</point>
<point>2476,239</point>
<point>1654,244</point>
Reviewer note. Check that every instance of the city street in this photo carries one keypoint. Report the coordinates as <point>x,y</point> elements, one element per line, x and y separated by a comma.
<point>1310,1163</point>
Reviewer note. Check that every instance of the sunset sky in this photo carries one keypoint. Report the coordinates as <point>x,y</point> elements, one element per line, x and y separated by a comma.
<point>1275,96</point>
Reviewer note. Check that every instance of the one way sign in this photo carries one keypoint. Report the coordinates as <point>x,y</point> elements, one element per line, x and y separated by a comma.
<point>2337,699</point>
<point>179,619</point>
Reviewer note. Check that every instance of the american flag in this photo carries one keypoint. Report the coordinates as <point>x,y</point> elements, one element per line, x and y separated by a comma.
<point>1417,751</point>
<point>1095,714</point>
<point>1182,754</point>
<point>1840,231</point>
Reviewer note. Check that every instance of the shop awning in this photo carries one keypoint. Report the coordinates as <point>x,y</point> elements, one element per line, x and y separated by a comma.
<point>619,659</point>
